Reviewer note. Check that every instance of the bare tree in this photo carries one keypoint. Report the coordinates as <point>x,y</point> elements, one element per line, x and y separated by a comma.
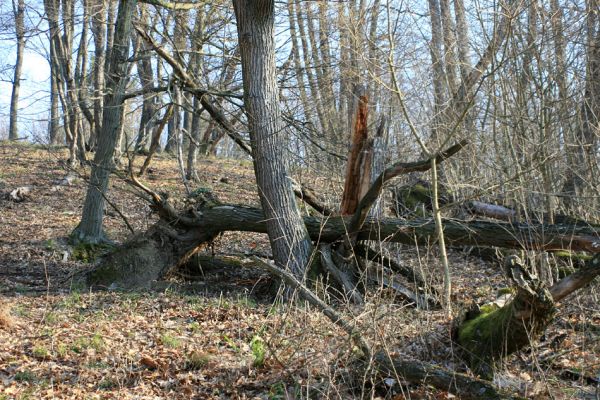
<point>289,238</point>
<point>90,227</point>
<point>19,15</point>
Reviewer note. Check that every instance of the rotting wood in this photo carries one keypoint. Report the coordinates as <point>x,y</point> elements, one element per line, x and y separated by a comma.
<point>188,230</point>
<point>497,331</point>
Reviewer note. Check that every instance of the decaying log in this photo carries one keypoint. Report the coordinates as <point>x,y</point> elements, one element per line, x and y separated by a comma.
<point>458,233</point>
<point>576,280</point>
<point>195,227</point>
<point>461,385</point>
<point>498,331</point>
<point>491,210</point>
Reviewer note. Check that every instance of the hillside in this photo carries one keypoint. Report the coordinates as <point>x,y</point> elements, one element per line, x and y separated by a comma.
<point>224,336</point>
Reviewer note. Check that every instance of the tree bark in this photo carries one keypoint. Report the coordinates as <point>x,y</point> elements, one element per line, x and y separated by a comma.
<point>98,27</point>
<point>90,227</point>
<point>19,14</point>
<point>358,167</point>
<point>289,239</point>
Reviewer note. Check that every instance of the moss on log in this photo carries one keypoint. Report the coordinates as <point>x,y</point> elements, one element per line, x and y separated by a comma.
<point>500,331</point>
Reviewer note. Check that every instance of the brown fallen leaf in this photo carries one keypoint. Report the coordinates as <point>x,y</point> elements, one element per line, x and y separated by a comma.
<point>6,321</point>
<point>149,362</point>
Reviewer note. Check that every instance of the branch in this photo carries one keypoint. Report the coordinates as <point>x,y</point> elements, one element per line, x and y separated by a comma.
<point>306,194</point>
<point>172,5</point>
<point>193,87</point>
<point>396,169</point>
<point>576,280</point>
<point>329,312</point>
<point>338,275</point>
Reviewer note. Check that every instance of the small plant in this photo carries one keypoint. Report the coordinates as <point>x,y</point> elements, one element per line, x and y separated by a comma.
<point>98,365</point>
<point>50,245</point>
<point>61,350</point>
<point>20,311</point>
<point>277,391</point>
<point>247,302</point>
<point>169,341</point>
<point>194,327</point>
<point>107,383</point>
<point>196,360</point>
<point>72,301</point>
<point>97,342</point>
<point>51,318</point>
<point>229,341</point>
<point>257,345</point>
<point>40,352</point>
<point>25,376</point>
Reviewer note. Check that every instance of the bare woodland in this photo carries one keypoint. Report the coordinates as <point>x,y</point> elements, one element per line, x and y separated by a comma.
<point>373,128</point>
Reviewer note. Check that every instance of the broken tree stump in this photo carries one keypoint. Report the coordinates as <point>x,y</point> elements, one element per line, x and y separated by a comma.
<point>496,331</point>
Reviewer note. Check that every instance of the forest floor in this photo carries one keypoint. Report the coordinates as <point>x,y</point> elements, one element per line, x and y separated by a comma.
<point>218,338</point>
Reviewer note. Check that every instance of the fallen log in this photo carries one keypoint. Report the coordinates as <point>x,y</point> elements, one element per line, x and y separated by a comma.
<point>181,234</point>
<point>422,231</point>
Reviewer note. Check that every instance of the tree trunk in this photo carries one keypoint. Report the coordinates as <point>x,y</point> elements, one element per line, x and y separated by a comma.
<point>98,27</point>
<point>90,227</point>
<point>359,165</point>
<point>19,14</point>
<point>584,157</point>
<point>290,242</point>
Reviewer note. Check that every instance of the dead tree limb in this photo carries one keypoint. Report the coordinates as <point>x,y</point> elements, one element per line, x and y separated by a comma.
<point>358,166</point>
<point>462,385</point>
<point>362,210</point>
<point>307,195</point>
<point>576,280</point>
<point>411,371</point>
<point>340,276</point>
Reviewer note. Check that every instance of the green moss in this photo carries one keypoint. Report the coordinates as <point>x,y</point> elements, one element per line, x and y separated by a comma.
<point>503,291</point>
<point>565,254</point>
<point>485,331</point>
<point>89,252</point>
<point>488,308</point>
